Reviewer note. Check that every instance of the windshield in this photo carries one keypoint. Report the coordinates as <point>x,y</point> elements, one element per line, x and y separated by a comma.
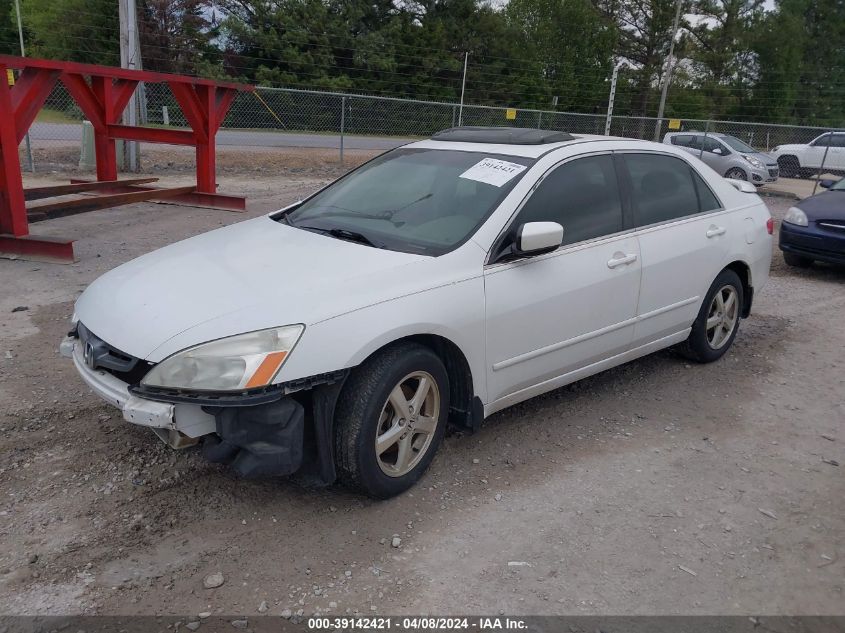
<point>413,200</point>
<point>735,143</point>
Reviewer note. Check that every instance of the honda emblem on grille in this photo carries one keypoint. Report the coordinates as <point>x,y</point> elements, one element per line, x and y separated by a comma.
<point>88,355</point>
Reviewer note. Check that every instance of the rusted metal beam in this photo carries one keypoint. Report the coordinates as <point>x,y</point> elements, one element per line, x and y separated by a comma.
<point>93,203</point>
<point>13,61</point>
<point>213,200</point>
<point>37,193</point>
<point>44,249</point>
<point>29,94</point>
<point>195,198</point>
<point>101,92</point>
<point>151,134</point>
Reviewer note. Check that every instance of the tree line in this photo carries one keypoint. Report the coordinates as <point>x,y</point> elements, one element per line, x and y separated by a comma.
<point>751,60</point>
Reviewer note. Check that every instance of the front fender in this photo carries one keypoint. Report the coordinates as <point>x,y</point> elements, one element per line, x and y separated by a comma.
<point>454,312</point>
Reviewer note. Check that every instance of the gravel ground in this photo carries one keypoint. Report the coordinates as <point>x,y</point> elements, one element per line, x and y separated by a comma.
<point>660,487</point>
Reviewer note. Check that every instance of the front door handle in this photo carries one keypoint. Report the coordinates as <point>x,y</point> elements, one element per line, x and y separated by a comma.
<point>715,231</point>
<point>620,259</point>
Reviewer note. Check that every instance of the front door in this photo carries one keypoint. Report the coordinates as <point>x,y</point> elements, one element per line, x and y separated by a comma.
<point>556,313</point>
<point>714,153</point>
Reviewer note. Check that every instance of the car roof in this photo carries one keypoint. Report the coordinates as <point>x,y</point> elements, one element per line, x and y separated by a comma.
<point>524,150</point>
<point>502,135</point>
<point>700,133</point>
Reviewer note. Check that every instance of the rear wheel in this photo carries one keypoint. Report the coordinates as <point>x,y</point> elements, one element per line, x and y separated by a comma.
<point>715,328</point>
<point>798,261</point>
<point>391,417</point>
<point>736,173</point>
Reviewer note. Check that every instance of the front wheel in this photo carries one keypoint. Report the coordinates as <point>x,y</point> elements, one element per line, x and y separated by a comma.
<point>390,420</point>
<point>735,173</point>
<point>715,328</point>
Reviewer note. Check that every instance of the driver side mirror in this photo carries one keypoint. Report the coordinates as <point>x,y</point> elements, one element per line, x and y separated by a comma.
<point>826,183</point>
<point>536,238</point>
<point>717,150</point>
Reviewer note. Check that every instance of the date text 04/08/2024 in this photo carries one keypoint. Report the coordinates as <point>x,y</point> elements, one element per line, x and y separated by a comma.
<point>427,623</point>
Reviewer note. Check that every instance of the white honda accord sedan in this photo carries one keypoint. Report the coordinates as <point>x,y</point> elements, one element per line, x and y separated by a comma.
<point>436,284</point>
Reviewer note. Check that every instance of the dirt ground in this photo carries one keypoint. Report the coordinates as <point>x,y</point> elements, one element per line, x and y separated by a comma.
<point>660,487</point>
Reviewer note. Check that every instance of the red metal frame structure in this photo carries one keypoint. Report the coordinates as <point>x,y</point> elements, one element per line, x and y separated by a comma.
<point>102,93</point>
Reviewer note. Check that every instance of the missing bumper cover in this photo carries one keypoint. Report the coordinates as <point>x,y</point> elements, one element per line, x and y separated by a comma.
<point>259,441</point>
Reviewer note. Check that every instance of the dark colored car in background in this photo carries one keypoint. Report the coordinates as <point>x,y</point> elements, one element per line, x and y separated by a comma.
<point>814,229</point>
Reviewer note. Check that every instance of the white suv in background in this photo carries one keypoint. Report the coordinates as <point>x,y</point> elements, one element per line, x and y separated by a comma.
<point>436,284</point>
<point>803,161</point>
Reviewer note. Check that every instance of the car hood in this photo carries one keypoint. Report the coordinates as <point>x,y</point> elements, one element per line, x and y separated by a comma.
<point>248,276</point>
<point>793,147</point>
<point>829,205</point>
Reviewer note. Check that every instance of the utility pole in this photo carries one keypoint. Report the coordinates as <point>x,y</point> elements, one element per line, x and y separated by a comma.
<point>463,87</point>
<point>23,54</point>
<point>668,78</point>
<point>612,96</point>
<point>130,57</point>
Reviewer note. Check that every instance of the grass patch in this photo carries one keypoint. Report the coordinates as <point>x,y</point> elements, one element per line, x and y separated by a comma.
<point>55,116</point>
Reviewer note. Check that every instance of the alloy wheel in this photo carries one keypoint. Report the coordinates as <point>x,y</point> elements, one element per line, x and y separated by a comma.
<point>407,423</point>
<point>722,317</point>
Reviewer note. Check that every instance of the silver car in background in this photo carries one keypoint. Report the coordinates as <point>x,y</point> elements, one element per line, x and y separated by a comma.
<point>727,155</point>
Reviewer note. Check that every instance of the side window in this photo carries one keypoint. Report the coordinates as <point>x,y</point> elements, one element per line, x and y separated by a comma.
<point>822,141</point>
<point>663,189</point>
<point>582,196</point>
<point>838,140</point>
<point>683,140</point>
<point>711,144</point>
<point>706,200</point>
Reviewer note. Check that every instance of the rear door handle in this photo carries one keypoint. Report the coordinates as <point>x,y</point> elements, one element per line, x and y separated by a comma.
<point>715,231</point>
<point>620,260</point>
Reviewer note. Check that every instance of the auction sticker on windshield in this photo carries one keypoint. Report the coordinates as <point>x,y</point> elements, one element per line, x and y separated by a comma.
<point>493,171</point>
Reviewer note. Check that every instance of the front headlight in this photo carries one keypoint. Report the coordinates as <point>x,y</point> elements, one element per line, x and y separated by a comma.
<point>235,363</point>
<point>754,162</point>
<point>796,216</point>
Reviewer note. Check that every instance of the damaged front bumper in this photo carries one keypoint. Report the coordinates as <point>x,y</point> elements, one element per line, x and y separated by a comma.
<point>178,425</point>
<point>257,435</point>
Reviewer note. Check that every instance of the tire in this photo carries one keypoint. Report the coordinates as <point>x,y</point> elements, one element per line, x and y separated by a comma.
<point>736,174</point>
<point>703,344</point>
<point>366,410</point>
<point>789,167</point>
<point>798,261</point>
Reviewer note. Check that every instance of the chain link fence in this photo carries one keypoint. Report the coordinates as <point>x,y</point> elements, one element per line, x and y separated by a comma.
<point>290,118</point>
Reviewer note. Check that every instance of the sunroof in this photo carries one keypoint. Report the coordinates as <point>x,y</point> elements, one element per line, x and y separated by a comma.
<point>502,135</point>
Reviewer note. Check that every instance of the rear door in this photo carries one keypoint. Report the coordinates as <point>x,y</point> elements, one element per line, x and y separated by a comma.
<point>683,234</point>
<point>813,155</point>
<point>686,142</point>
<point>553,314</point>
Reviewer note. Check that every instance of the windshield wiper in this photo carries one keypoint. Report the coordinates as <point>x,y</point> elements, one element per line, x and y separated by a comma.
<point>382,215</point>
<point>344,234</point>
<point>386,215</point>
